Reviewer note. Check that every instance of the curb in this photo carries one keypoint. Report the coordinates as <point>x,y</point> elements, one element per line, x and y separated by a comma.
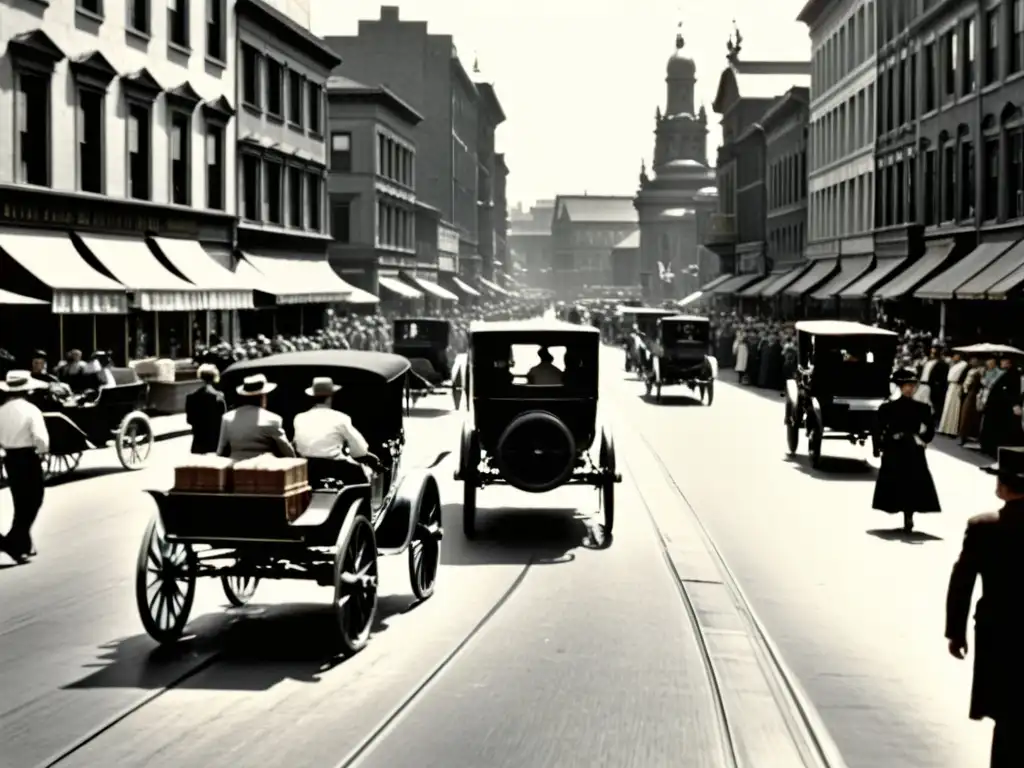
<point>174,434</point>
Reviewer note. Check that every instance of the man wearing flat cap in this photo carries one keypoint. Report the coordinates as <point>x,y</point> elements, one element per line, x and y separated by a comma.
<point>325,433</point>
<point>991,550</point>
<point>251,430</point>
<point>204,410</point>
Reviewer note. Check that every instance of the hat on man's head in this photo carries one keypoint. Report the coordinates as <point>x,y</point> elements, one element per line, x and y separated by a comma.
<point>20,381</point>
<point>255,385</point>
<point>904,376</point>
<point>1009,463</point>
<point>322,387</point>
<point>39,354</point>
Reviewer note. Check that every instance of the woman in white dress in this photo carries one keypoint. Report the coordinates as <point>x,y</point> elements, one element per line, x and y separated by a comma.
<point>949,424</point>
<point>742,352</point>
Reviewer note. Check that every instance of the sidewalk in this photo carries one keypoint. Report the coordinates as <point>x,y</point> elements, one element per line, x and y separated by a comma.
<point>170,427</point>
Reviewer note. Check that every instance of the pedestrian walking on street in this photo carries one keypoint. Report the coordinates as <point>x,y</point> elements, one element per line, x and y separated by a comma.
<point>204,410</point>
<point>992,547</point>
<point>23,437</point>
<point>905,428</point>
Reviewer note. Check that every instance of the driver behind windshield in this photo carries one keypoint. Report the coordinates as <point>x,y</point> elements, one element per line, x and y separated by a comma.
<point>544,373</point>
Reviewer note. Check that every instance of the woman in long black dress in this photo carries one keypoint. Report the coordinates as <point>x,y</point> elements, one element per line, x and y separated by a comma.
<point>905,428</point>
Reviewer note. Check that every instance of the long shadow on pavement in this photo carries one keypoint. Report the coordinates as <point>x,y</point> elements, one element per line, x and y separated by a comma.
<point>837,468</point>
<point>673,400</point>
<point>253,649</point>
<point>916,538</point>
<point>429,413</point>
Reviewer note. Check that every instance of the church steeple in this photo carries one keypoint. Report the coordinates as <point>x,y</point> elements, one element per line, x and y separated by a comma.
<point>681,133</point>
<point>680,79</point>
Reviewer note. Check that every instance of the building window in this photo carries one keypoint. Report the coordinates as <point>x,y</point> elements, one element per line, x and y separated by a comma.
<point>138,16</point>
<point>296,88</point>
<point>295,192</point>
<point>251,187</point>
<point>181,134</point>
<point>949,54</point>
<point>90,140</point>
<point>215,38</point>
<point>991,73</point>
<point>273,174</point>
<point>275,88</point>
<point>930,82</point>
<point>912,190</point>
<point>33,107</point>
<point>910,88</point>
<point>966,180</point>
<point>949,183</point>
<point>341,221</point>
<point>95,7</point>
<point>1017,37</point>
<point>177,22</point>
<point>313,184</point>
<point>139,150</point>
<point>970,78</point>
<point>215,166</point>
<point>900,193</point>
<point>990,201</point>
<point>1015,172</point>
<point>315,99</point>
<point>341,152</point>
<point>930,171</point>
<point>251,76</point>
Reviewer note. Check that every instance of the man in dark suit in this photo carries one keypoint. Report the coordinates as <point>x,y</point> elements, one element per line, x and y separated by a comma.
<point>992,549</point>
<point>204,410</point>
<point>251,430</point>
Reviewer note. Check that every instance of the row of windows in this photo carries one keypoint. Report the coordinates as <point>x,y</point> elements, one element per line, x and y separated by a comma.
<point>949,183</point>
<point>274,192</point>
<point>270,86</point>
<point>395,161</point>
<point>396,226</point>
<point>842,210</point>
<point>843,130</point>
<point>849,46</point>
<point>787,180</point>
<point>139,21</point>
<point>35,132</point>
<point>786,241</point>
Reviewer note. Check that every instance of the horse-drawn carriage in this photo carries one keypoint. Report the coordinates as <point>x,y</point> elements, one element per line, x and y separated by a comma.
<point>535,435</point>
<point>679,354</point>
<point>638,326</point>
<point>334,540</point>
<point>434,367</point>
<point>843,377</point>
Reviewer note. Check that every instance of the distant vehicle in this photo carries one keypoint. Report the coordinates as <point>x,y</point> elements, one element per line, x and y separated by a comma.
<point>637,326</point>
<point>334,540</point>
<point>535,434</point>
<point>680,355</point>
<point>842,378</point>
<point>426,344</point>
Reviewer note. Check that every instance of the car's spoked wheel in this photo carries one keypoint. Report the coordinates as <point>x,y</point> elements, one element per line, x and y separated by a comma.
<point>165,584</point>
<point>814,446</point>
<point>239,590</point>
<point>711,393</point>
<point>355,585</point>
<point>134,442</point>
<point>55,466</point>
<point>425,548</point>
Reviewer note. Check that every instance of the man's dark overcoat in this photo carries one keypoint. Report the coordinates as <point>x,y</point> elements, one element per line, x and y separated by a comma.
<point>904,481</point>
<point>204,409</point>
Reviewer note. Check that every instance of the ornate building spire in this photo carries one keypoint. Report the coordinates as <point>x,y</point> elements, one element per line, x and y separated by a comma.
<point>680,42</point>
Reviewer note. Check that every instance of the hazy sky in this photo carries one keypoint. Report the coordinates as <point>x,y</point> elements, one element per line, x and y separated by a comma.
<point>580,80</point>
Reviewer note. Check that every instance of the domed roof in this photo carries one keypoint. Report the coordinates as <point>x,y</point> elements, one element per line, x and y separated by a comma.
<point>679,64</point>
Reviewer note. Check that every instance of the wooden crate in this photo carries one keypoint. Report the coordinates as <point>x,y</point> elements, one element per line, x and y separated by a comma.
<point>207,474</point>
<point>269,475</point>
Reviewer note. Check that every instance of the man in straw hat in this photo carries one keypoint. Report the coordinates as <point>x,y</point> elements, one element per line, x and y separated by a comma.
<point>23,437</point>
<point>251,430</point>
<point>325,433</point>
<point>992,547</point>
<point>204,410</point>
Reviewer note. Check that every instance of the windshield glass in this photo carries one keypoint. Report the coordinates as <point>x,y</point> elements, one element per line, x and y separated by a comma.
<point>676,333</point>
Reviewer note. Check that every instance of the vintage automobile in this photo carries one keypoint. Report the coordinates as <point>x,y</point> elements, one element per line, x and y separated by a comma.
<point>680,355</point>
<point>639,325</point>
<point>842,378</point>
<point>242,539</point>
<point>434,368</point>
<point>530,433</point>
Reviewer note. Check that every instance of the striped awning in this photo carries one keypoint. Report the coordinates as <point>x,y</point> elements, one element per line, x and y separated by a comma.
<point>465,287</point>
<point>225,290</point>
<point>298,280</point>
<point>493,287</point>
<point>397,287</point>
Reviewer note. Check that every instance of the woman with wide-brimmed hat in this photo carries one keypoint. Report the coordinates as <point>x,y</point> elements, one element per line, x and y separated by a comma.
<point>905,428</point>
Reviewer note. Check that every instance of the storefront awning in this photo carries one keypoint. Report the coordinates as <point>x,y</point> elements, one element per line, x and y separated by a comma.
<point>432,288</point>
<point>398,288</point>
<point>223,287</point>
<point>493,287</point>
<point>715,283</point>
<point>1004,266</point>
<point>465,287</point>
<point>787,279</point>
<point>755,290</point>
<point>8,299</point>
<point>153,287</point>
<point>945,284</point>
<point>53,260</point>
<point>1007,285</point>
<point>819,272</point>
<point>359,296</point>
<point>693,298</point>
<point>299,280</point>
<point>861,287</point>
<point>734,284</point>
<point>851,269</point>
<point>917,273</point>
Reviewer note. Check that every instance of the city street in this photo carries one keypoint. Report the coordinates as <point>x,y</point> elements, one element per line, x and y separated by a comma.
<point>585,656</point>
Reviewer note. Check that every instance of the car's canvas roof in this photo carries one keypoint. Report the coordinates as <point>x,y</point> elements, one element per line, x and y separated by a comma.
<point>433,320</point>
<point>542,325</point>
<point>386,366</point>
<point>626,310</point>
<point>840,328</point>
<point>688,318</point>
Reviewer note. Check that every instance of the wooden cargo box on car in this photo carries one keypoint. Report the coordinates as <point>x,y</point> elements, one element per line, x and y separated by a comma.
<point>270,476</point>
<point>204,474</point>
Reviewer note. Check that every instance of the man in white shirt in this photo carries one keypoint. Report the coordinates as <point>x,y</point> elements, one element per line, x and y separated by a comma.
<point>325,433</point>
<point>545,373</point>
<point>23,438</point>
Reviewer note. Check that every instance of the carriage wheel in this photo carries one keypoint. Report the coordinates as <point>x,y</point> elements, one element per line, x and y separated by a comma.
<point>425,547</point>
<point>59,465</point>
<point>457,396</point>
<point>355,584</point>
<point>814,446</point>
<point>649,386</point>
<point>239,589</point>
<point>710,389</point>
<point>792,436</point>
<point>134,441</point>
<point>657,392</point>
<point>607,488</point>
<point>165,584</point>
<point>469,507</point>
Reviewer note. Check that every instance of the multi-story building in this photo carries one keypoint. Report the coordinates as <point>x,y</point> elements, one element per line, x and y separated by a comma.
<point>584,230</point>
<point>748,92</point>
<point>680,192</point>
<point>504,266</point>
<point>118,122</point>
<point>529,243</point>
<point>424,70</point>
<point>489,116</point>
<point>841,161</point>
